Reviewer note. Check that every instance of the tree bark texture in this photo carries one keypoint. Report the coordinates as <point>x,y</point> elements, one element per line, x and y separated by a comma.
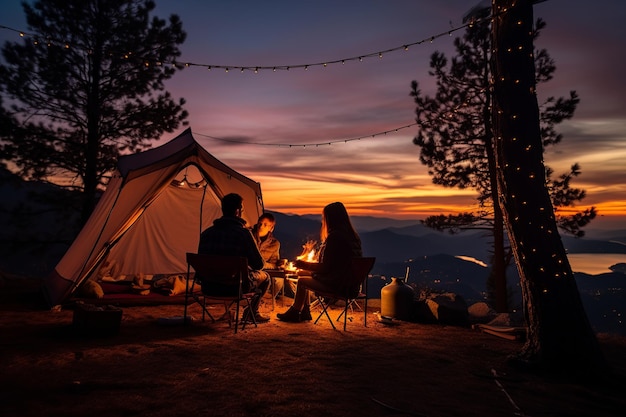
<point>560,337</point>
<point>498,268</point>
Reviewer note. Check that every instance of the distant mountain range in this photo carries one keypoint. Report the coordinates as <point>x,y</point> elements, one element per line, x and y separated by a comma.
<point>393,240</point>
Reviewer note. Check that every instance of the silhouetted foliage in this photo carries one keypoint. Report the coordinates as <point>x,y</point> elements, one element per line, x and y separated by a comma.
<point>455,127</point>
<point>85,85</point>
<point>456,143</point>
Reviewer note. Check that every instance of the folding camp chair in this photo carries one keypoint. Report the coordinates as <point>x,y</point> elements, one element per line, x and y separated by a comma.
<point>361,268</point>
<point>222,281</point>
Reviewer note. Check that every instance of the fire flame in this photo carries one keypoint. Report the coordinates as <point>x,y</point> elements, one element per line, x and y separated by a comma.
<point>308,257</point>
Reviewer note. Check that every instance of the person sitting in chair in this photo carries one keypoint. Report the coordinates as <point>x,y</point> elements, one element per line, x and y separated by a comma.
<point>339,244</point>
<point>229,236</point>
<point>269,246</point>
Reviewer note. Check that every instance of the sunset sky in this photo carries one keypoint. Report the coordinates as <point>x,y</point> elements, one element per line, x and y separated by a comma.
<point>243,117</point>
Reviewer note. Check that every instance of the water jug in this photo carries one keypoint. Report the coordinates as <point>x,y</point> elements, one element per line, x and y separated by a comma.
<point>396,300</point>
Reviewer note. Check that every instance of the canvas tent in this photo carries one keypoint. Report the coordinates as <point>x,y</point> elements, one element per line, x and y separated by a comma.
<point>151,214</point>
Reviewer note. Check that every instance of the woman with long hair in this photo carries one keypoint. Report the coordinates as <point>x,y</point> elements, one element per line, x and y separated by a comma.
<point>339,244</point>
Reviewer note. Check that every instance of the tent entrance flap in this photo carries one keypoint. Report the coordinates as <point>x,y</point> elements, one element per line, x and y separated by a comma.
<point>166,228</point>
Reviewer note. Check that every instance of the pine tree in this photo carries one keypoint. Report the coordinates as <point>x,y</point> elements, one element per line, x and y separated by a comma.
<point>85,85</point>
<point>455,138</point>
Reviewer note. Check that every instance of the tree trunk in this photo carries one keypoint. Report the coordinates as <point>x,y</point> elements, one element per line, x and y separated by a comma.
<point>498,265</point>
<point>90,179</point>
<point>560,337</point>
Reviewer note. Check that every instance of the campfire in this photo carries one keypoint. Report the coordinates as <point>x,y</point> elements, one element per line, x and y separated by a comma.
<point>308,255</point>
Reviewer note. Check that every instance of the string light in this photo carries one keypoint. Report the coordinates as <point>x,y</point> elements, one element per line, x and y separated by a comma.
<point>316,144</point>
<point>273,68</point>
<point>184,183</point>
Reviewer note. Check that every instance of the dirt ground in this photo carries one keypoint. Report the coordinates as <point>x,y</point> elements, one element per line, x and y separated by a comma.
<point>47,368</point>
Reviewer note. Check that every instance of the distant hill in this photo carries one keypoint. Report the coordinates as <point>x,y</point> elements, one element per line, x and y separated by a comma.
<point>399,241</point>
<point>390,246</point>
<point>617,234</point>
<point>369,224</point>
<point>293,231</point>
<point>438,272</point>
<point>585,245</point>
<point>35,225</point>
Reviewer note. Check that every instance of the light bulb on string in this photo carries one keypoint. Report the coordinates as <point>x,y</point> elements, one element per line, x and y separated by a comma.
<point>360,58</point>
